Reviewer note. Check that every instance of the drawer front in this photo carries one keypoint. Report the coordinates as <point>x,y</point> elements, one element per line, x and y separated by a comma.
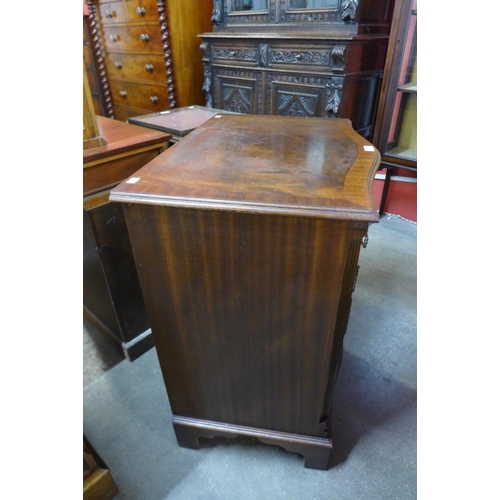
<point>244,54</point>
<point>136,66</point>
<point>150,97</point>
<point>300,57</point>
<point>318,57</point>
<point>112,13</point>
<point>142,10</point>
<point>147,38</point>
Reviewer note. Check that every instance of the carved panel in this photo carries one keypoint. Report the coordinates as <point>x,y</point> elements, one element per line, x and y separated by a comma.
<point>294,95</point>
<point>237,98</point>
<point>295,104</point>
<point>237,91</point>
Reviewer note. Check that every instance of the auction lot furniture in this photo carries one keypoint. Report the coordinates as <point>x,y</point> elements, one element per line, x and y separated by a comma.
<point>298,58</point>
<point>112,297</point>
<point>178,122</point>
<point>149,55</point>
<point>246,235</point>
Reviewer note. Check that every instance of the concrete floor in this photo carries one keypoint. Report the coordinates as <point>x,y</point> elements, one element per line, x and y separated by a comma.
<point>127,414</point>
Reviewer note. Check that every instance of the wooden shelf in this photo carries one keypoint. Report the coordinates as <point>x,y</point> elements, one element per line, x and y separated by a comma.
<point>409,154</point>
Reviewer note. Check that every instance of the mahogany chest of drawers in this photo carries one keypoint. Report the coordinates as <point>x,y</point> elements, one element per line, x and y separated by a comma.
<point>151,55</point>
<point>246,235</point>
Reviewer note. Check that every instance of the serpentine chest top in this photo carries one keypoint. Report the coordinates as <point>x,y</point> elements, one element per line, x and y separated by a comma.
<point>246,236</point>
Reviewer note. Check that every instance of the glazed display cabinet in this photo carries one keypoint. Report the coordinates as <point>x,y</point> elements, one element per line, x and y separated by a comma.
<point>396,123</point>
<point>312,58</point>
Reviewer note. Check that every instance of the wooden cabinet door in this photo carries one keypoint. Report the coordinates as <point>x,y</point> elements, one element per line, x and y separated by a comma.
<point>238,91</point>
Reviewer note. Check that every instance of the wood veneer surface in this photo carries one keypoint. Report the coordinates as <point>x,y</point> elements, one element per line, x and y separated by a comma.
<point>270,164</point>
<point>122,137</point>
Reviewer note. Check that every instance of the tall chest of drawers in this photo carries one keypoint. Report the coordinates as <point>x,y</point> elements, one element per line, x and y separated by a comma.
<point>151,53</point>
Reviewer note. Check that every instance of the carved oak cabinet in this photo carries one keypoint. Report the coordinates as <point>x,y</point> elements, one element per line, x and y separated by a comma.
<point>246,235</point>
<point>298,57</point>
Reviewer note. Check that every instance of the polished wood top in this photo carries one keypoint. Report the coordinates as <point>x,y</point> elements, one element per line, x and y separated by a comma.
<point>263,164</point>
<point>121,137</point>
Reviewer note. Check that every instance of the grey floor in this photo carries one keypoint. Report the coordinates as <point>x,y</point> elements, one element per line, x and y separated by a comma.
<point>127,414</point>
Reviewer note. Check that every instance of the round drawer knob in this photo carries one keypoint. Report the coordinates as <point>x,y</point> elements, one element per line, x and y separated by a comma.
<point>113,38</point>
<point>140,11</point>
<point>109,13</point>
<point>118,64</point>
<point>145,37</point>
<point>149,68</point>
<point>153,99</point>
<point>123,93</point>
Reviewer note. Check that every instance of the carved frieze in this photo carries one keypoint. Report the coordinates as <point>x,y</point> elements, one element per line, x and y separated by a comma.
<point>241,54</point>
<point>301,57</point>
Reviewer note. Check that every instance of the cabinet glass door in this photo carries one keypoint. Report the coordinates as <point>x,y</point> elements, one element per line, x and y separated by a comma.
<point>313,4</point>
<point>402,138</point>
<point>247,5</point>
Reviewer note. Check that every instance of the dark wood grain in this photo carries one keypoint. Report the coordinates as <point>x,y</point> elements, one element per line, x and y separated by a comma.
<point>246,236</point>
<point>267,164</point>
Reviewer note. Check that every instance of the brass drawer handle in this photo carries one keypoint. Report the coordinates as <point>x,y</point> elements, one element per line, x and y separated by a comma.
<point>118,64</point>
<point>153,99</point>
<point>113,38</point>
<point>140,11</point>
<point>109,13</point>
<point>145,37</point>
<point>149,68</point>
<point>123,93</point>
